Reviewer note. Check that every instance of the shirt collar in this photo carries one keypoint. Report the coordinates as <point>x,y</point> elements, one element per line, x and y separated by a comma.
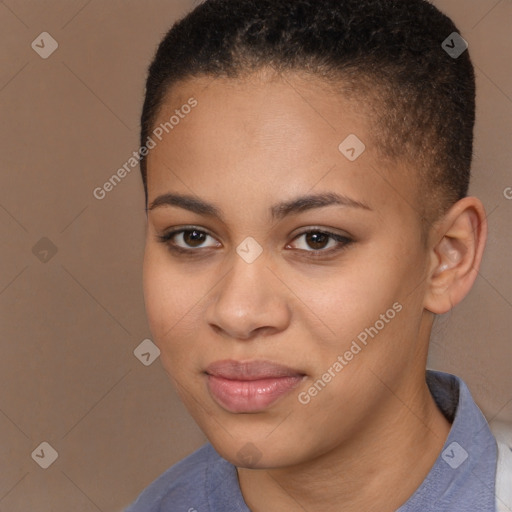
<point>463,476</point>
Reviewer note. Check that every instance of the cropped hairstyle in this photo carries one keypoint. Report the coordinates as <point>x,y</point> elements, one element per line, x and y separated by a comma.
<point>385,54</point>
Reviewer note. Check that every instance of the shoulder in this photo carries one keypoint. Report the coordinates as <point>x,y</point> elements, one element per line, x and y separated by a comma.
<point>182,486</point>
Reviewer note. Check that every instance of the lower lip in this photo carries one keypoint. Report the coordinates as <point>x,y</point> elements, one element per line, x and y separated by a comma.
<point>250,395</point>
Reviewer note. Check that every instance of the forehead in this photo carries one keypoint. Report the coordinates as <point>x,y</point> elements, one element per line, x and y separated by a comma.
<point>265,112</point>
<point>271,135</point>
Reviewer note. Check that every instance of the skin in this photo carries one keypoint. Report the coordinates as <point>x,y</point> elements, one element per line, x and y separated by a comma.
<point>249,144</point>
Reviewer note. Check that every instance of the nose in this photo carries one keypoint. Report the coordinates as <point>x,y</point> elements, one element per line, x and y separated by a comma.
<point>249,301</point>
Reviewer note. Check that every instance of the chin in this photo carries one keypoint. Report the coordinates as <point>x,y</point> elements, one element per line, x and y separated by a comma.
<point>257,454</point>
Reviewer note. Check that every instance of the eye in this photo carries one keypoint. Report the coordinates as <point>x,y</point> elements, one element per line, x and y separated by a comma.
<point>186,239</point>
<point>318,241</point>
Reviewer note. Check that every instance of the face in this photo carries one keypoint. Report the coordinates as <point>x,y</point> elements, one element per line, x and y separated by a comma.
<point>283,281</point>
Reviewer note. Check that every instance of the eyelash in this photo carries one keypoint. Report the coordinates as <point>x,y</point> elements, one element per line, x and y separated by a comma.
<point>343,242</point>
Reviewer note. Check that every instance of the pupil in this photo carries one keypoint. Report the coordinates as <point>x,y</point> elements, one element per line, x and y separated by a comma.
<point>194,238</point>
<point>317,240</point>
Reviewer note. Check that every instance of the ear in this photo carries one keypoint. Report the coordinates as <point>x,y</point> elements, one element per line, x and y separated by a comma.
<point>457,245</point>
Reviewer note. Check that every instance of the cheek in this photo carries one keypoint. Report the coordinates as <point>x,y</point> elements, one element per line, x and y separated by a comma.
<point>360,302</point>
<point>155,294</point>
<point>352,297</point>
<point>166,315</point>
<point>168,296</point>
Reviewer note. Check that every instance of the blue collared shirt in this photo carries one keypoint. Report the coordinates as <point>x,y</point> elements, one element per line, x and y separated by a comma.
<point>461,480</point>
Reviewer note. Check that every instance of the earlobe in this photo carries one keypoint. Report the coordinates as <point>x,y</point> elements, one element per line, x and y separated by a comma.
<point>456,257</point>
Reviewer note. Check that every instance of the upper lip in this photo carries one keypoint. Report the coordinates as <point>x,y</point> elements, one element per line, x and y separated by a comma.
<point>250,370</point>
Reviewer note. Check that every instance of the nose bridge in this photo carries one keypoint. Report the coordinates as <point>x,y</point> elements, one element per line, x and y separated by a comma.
<point>243,283</point>
<point>247,298</point>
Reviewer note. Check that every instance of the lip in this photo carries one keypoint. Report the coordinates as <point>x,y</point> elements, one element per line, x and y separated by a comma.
<point>250,386</point>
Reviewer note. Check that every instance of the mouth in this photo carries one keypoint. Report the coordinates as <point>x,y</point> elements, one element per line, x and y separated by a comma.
<point>250,386</point>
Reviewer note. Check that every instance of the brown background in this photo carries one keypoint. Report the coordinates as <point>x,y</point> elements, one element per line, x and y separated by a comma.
<point>69,325</point>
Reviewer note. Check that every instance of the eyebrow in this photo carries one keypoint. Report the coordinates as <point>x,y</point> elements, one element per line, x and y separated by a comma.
<point>278,211</point>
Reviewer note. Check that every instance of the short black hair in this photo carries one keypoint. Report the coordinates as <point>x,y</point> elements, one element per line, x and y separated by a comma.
<point>388,51</point>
